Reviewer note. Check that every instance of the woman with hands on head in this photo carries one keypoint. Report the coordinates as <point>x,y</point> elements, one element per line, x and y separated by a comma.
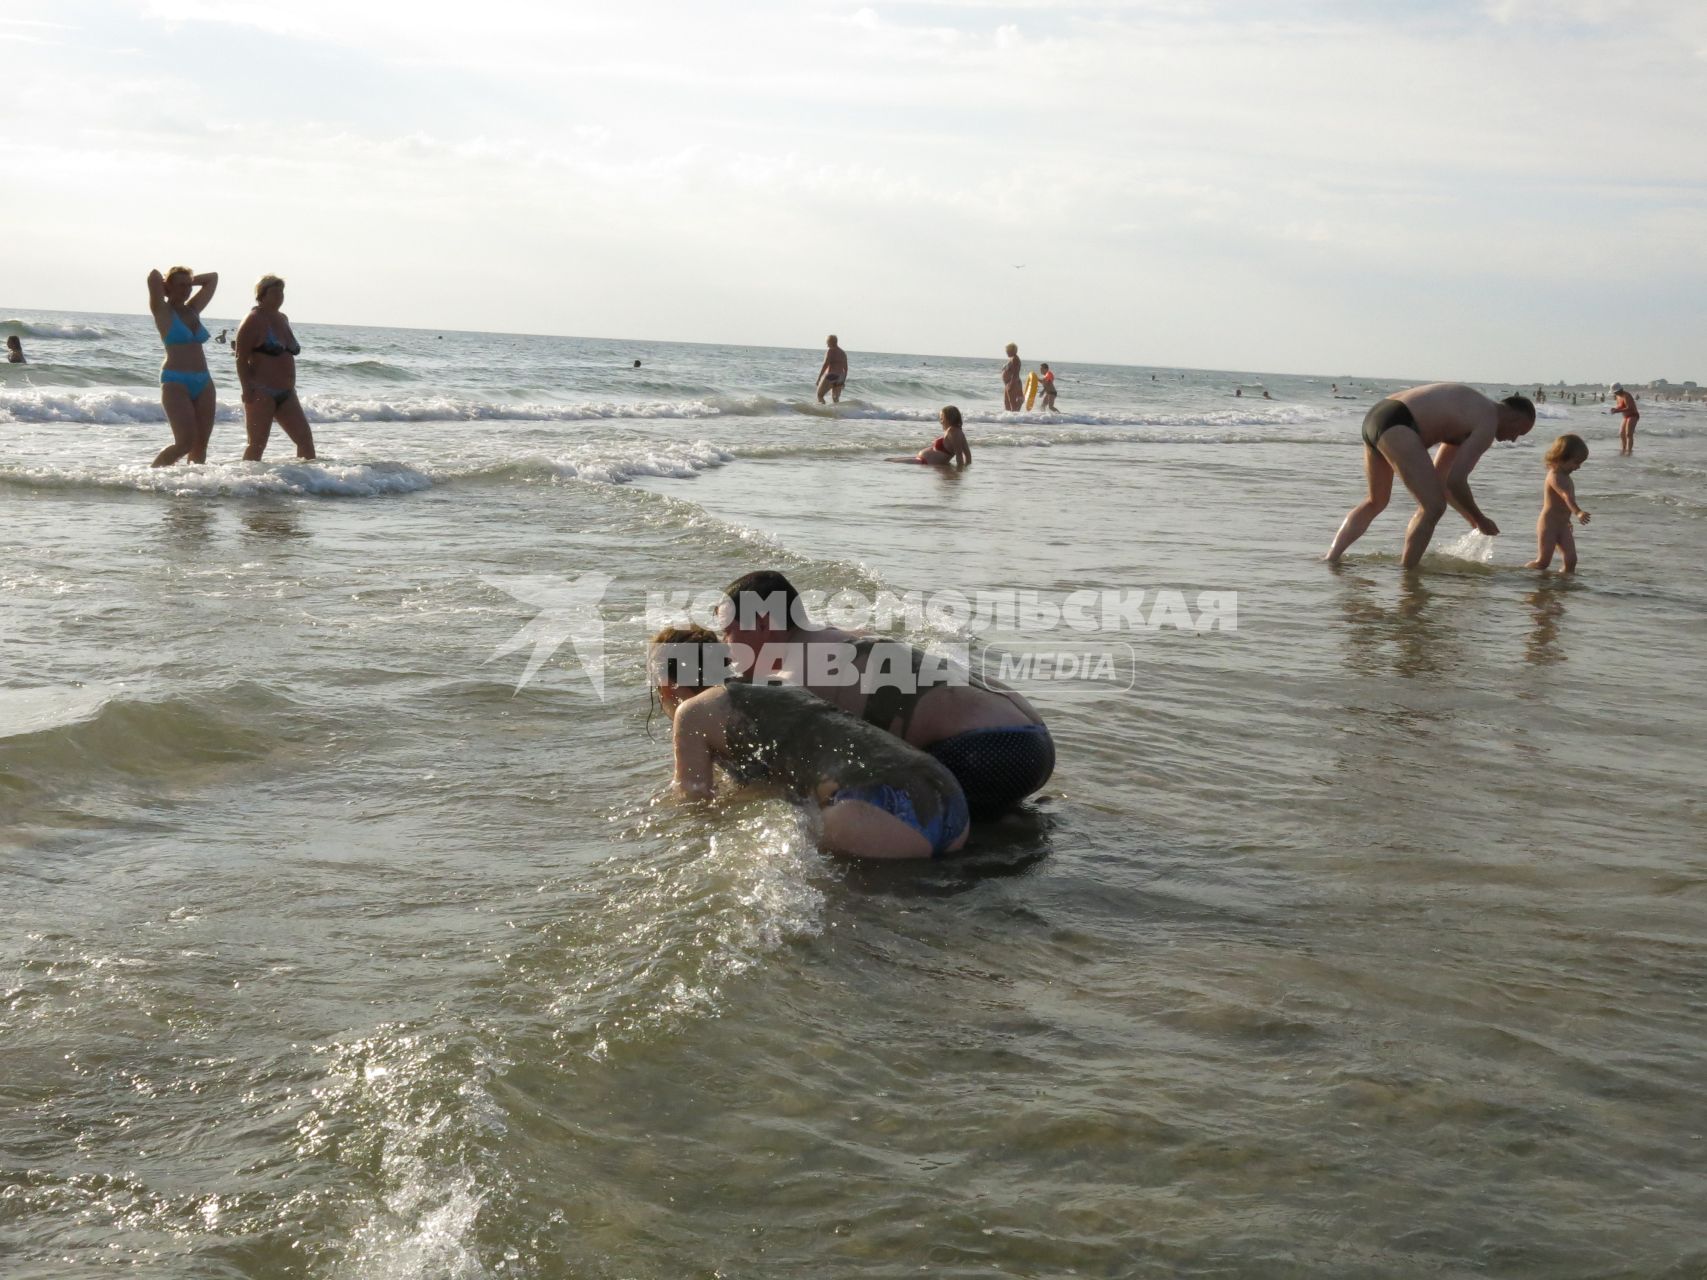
<point>186,387</point>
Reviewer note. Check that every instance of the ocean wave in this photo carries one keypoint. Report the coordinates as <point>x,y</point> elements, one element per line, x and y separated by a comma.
<point>75,733</point>
<point>100,408</point>
<point>680,462</point>
<point>110,407</point>
<point>321,478</point>
<point>49,707</point>
<point>15,328</point>
<point>1275,415</point>
<point>335,408</point>
<point>329,478</point>
<point>376,370</point>
<point>40,373</point>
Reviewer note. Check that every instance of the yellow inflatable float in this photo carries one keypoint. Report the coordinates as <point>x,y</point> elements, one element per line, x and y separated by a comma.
<point>1030,389</point>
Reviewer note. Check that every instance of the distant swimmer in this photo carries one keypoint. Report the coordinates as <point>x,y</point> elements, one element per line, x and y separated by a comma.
<point>1559,504</point>
<point>186,387</point>
<point>833,373</point>
<point>1239,391</point>
<point>266,351</point>
<point>1265,394</point>
<point>1625,403</point>
<point>877,797</point>
<point>637,364</point>
<point>221,338</point>
<point>949,447</point>
<point>14,350</point>
<point>990,738</point>
<point>1048,380</point>
<point>1398,433</point>
<point>1013,393</point>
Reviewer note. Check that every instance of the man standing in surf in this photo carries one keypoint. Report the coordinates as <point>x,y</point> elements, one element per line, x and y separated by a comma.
<point>1397,436</point>
<point>833,373</point>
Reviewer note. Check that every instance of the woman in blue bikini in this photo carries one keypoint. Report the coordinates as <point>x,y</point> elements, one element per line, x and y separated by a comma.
<point>186,387</point>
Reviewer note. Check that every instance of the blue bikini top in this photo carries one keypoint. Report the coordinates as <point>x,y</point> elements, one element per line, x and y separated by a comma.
<point>178,333</point>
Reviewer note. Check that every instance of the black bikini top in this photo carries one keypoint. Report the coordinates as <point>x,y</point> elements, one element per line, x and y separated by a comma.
<point>273,347</point>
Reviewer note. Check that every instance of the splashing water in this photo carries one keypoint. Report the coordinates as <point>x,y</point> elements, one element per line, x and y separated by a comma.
<point>1472,545</point>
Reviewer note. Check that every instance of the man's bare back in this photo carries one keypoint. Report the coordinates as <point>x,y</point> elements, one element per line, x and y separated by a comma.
<point>1450,413</point>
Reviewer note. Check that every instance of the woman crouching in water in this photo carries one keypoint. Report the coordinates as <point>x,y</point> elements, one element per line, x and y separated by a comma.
<point>266,351</point>
<point>878,797</point>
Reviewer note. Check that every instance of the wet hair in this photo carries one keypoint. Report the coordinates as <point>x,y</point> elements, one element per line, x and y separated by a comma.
<point>752,595</point>
<point>950,417</point>
<point>1013,348</point>
<point>664,665</point>
<point>664,655</point>
<point>1567,448</point>
<point>265,283</point>
<point>1523,404</point>
<point>13,343</point>
<point>176,271</point>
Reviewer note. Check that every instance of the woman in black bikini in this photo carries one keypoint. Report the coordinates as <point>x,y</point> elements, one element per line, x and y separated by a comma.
<point>266,351</point>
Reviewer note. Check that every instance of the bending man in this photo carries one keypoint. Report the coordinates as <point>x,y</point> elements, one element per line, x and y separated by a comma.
<point>1398,433</point>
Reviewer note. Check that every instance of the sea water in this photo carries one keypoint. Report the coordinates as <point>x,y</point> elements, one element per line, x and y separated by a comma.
<point>1360,931</point>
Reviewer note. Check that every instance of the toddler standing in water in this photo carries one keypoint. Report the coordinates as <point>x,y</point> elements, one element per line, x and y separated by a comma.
<point>1559,504</point>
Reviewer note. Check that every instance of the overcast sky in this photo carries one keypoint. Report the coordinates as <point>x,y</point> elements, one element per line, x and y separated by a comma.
<point>1507,190</point>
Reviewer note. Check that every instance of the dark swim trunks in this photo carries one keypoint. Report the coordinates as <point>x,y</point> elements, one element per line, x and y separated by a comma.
<point>1385,414</point>
<point>942,831</point>
<point>997,768</point>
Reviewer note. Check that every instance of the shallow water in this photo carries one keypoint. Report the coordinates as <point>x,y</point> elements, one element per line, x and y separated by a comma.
<point>1362,939</point>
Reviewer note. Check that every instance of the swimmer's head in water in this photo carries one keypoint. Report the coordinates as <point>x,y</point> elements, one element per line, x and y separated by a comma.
<point>950,417</point>
<point>267,282</point>
<point>12,343</point>
<point>1567,448</point>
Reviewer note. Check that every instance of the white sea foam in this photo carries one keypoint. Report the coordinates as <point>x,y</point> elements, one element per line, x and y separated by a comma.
<point>48,329</point>
<point>1471,545</point>
<point>321,478</point>
<point>115,407</point>
<point>606,464</point>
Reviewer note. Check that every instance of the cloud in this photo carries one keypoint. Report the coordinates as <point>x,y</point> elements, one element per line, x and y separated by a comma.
<point>642,150</point>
